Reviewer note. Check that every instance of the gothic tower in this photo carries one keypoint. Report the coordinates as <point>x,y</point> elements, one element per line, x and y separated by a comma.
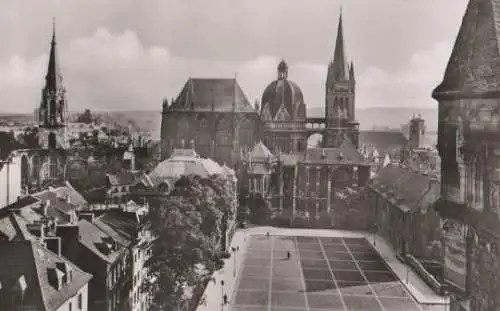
<point>53,106</point>
<point>340,97</point>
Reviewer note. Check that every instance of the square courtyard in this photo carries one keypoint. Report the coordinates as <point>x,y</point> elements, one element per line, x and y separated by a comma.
<point>323,273</point>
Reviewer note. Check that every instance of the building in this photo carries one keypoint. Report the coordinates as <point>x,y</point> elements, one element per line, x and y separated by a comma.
<point>469,147</point>
<point>34,278</point>
<point>212,116</point>
<point>402,202</point>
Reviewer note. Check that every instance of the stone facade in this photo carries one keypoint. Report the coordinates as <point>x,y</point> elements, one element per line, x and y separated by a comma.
<point>468,144</point>
<point>403,212</point>
<point>212,116</point>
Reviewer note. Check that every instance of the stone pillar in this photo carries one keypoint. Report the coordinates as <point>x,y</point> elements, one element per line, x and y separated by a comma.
<point>281,188</point>
<point>294,191</point>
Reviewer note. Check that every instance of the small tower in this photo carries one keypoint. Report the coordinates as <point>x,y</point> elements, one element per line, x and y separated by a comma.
<point>53,106</point>
<point>417,132</point>
<point>282,70</point>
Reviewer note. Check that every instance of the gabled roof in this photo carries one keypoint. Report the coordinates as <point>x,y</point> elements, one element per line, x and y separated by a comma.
<point>121,226</point>
<point>31,260</point>
<point>383,141</point>
<point>94,239</point>
<point>13,228</point>
<point>201,94</point>
<point>58,193</point>
<point>403,184</point>
<point>261,153</point>
<point>474,65</point>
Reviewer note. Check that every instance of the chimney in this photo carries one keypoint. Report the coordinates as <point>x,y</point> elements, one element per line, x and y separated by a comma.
<point>90,217</point>
<point>53,244</point>
<point>65,268</point>
<point>19,290</point>
<point>55,278</point>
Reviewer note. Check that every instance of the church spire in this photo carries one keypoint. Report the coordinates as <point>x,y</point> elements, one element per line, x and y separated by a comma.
<point>338,67</point>
<point>53,79</point>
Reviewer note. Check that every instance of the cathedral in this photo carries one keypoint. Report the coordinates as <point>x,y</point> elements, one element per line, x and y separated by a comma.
<point>267,145</point>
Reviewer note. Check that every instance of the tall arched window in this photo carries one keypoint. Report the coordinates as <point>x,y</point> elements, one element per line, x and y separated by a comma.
<point>52,141</point>
<point>24,170</point>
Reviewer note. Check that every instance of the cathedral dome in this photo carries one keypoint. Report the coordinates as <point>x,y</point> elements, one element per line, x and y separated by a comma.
<point>282,100</point>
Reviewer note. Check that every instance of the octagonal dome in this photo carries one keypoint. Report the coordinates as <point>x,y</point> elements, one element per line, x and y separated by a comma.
<point>282,99</point>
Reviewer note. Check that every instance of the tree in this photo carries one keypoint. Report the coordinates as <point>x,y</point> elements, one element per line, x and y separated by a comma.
<point>189,226</point>
<point>85,117</point>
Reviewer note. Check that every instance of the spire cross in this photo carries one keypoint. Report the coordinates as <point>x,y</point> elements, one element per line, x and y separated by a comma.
<point>53,24</point>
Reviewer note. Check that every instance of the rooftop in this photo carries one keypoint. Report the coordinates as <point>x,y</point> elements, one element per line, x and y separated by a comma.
<point>29,264</point>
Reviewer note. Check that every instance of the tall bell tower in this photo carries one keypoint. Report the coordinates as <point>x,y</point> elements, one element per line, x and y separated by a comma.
<point>53,106</point>
<point>340,97</point>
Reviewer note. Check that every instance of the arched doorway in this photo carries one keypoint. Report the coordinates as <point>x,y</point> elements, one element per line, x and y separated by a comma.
<point>315,141</point>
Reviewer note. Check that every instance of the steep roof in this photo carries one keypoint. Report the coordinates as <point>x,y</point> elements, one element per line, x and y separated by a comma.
<point>63,192</point>
<point>122,226</point>
<point>338,68</point>
<point>212,94</point>
<point>384,141</point>
<point>474,65</point>
<point>261,153</point>
<point>405,186</point>
<point>31,260</point>
<point>53,79</point>
<point>95,239</point>
<point>343,154</point>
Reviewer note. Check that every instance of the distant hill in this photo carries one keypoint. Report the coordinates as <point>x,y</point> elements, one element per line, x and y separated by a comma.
<point>386,118</point>
<point>369,118</point>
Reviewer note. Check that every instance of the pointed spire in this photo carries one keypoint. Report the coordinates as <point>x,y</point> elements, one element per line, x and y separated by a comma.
<point>53,79</point>
<point>338,66</point>
<point>351,71</point>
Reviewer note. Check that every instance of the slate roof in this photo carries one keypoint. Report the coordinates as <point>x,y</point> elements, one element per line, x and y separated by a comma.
<point>201,94</point>
<point>474,64</point>
<point>13,228</point>
<point>94,239</point>
<point>346,153</point>
<point>23,202</point>
<point>383,141</point>
<point>260,153</point>
<point>124,178</point>
<point>58,193</point>
<point>121,226</point>
<point>405,186</point>
<point>31,260</point>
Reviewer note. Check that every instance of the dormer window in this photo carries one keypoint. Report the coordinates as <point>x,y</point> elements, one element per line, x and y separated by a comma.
<point>56,278</point>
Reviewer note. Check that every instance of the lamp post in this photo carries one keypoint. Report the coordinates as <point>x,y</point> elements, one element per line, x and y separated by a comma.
<point>235,249</point>
<point>222,294</point>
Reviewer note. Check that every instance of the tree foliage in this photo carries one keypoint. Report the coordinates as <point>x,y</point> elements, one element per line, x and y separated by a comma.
<point>189,226</point>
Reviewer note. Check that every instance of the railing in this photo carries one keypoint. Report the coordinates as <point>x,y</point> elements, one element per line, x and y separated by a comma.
<point>425,275</point>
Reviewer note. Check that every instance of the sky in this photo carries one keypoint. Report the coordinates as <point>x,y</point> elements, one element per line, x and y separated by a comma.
<point>129,54</point>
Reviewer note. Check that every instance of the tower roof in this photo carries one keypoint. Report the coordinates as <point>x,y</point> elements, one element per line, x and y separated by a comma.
<point>339,65</point>
<point>474,65</point>
<point>53,79</point>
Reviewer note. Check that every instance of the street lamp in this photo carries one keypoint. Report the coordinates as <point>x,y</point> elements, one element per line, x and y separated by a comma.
<point>222,295</point>
<point>235,249</point>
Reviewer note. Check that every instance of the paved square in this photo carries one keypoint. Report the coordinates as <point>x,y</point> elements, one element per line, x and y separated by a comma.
<point>322,274</point>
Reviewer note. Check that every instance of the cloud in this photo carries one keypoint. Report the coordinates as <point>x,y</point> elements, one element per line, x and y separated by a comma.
<point>116,71</point>
<point>409,87</point>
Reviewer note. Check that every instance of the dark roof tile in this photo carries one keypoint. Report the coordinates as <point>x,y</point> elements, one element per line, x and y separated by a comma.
<point>201,94</point>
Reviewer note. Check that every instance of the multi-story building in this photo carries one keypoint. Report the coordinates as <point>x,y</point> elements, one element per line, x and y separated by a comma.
<point>469,147</point>
<point>34,278</point>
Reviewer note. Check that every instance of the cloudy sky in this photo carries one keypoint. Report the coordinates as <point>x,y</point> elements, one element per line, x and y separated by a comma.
<point>129,54</point>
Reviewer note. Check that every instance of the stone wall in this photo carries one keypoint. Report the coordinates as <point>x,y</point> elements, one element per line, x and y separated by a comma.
<point>484,274</point>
